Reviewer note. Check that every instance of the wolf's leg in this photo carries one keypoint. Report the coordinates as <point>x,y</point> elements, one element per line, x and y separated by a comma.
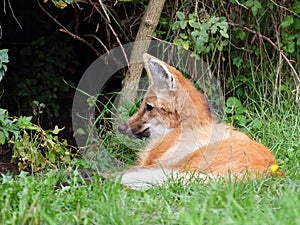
<point>141,178</point>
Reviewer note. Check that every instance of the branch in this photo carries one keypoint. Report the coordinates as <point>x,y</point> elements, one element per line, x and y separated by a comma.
<point>99,40</point>
<point>65,30</point>
<point>296,92</point>
<point>12,12</point>
<point>107,20</point>
<point>271,42</point>
<point>245,7</point>
<point>291,11</point>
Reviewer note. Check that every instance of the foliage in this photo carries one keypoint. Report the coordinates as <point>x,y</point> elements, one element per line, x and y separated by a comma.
<point>106,149</point>
<point>247,48</point>
<point>202,35</point>
<point>263,105</point>
<point>236,113</point>
<point>34,148</point>
<point>43,83</point>
<point>62,3</point>
<point>33,200</point>
<point>3,61</point>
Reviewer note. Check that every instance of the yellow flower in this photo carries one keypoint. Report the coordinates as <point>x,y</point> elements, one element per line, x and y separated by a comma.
<point>61,4</point>
<point>274,168</point>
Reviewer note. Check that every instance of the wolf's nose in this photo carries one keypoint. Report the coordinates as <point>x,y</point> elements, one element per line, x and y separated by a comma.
<point>123,128</point>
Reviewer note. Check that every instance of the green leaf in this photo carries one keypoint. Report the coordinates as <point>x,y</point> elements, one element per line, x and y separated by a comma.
<point>80,131</point>
<point>223,25</point>
<point>183,36</point>
<point>194,24</point>
<point>249,3</point>
<point>254,10</point>
<point>1,74</point>
<point>214,29</point>
<point>4,56</point>
<point>296,6</point>
<point>224,43</point>
<point>288,21</point>
<point>224,34</point>
<point>4,68</point>
<point>57,130</point>
<point>3,112</point>
<point>2,137</point>
<point>237,61</point>
<point>298,39</point>
<point>175,25</point>
<point>195,33</point>
<point>257,4</point>
<point>240,119</point>
<point>291,47</point>
<point>234,106</point>
<point>24,121</point>
<point>183,24</point>
<point>256,124</point>
<point>233,102</point>
<point>180,15</point>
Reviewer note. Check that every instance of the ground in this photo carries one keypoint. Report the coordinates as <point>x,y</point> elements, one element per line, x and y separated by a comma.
<point>5,162</point>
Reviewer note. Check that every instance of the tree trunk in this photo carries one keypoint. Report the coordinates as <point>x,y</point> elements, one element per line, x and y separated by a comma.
<point>141,45</point>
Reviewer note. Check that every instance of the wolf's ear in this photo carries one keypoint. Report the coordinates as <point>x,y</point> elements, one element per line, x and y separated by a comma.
<point>158,73</point>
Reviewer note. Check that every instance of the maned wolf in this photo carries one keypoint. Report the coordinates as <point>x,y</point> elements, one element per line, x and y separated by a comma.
<point>185,137</point>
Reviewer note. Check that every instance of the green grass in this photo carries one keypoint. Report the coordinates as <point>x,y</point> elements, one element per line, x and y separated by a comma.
<point>32,199</point>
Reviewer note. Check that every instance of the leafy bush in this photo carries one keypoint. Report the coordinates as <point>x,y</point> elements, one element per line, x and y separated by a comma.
<point>34,148</point>
<point>248,45</point>
<point>39,84</point>
<point>3,61</point>
<point>200,34</point>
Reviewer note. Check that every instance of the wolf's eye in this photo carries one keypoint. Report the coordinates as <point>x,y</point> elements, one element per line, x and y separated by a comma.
<point>148,107</point>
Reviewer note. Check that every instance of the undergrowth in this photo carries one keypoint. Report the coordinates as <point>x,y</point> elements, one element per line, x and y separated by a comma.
<point>275,200</point>
<point>260,101</point>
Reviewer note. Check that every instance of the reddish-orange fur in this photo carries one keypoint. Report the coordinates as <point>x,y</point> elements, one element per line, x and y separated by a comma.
<point>194,140</point>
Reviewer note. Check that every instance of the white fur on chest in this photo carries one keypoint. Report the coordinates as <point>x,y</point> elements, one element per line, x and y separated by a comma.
<point>192,140</point>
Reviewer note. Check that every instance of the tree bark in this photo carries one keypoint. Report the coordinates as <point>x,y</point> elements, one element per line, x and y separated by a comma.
<point>141,45</point>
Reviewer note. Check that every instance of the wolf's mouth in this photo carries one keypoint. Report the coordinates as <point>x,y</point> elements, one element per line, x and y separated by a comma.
<point>141,134</point>
<point>135,132</point>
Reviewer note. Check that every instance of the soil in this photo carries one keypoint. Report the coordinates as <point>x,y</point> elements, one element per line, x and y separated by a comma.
<point>6,166</point>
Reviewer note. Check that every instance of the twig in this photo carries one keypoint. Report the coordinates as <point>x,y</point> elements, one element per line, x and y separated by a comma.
<point>110,27</point>
<point>81,39</point>
<point>280,6</point>
<point>279,64</point>
<point>4,7</point>
<point>271,42</point>
<point>239,48</point>
<point>298,95</point>
<point>98,39</point>
<point>245,7</point>
<point>104,10</point>
<point>65,30</point>
<point>158,39</point>
<point>13,14</point>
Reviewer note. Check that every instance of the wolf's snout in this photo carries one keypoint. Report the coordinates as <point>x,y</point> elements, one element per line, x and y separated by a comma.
<point>123,128</point>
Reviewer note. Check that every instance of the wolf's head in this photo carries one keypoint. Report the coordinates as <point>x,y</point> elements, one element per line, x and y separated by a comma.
<point>170,102</point>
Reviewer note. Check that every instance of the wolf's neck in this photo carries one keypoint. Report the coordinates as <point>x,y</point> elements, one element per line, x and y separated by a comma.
<point>194,108</point>
<point>180,142</point>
